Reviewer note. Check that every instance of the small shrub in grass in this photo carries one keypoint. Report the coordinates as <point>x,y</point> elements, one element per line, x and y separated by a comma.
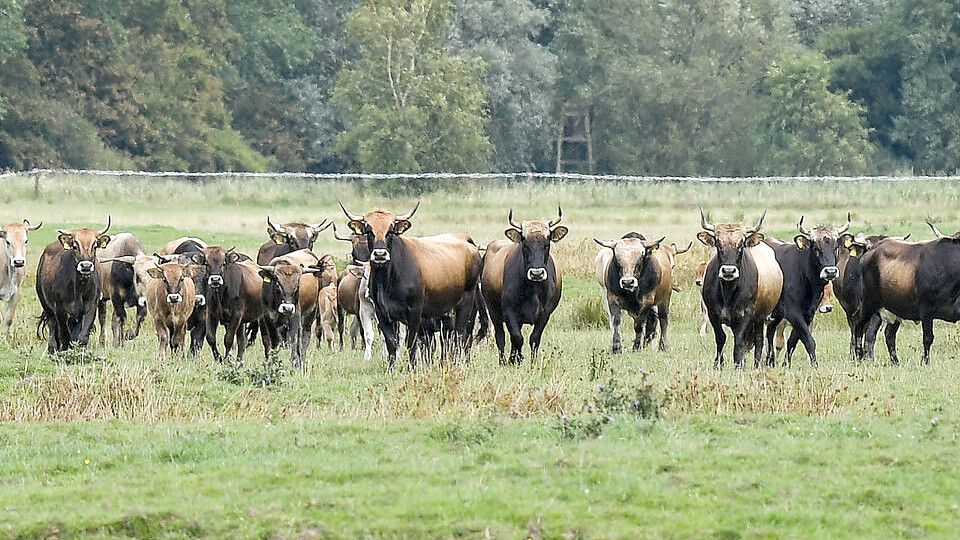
<point>588,313</point>
<point>232,371</point>
<point>612,401</point>
<point>270,373</point>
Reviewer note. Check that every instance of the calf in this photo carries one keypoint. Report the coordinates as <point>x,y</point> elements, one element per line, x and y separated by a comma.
<point>288,238</point>
<point>13,266</point>
<point>171,301</point>
<point>289,294</point>
<point>69,285</point>
<point>352,295</point>
<point>636,276</point>
<point>521,282</point>
<point>232,296</point>
<point>808,265</point>
<point>741,286</point>
<point>122,286</point>
<point>326,327</point>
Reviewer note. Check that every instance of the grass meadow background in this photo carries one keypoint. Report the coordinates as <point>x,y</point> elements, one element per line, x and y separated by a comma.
<point>112,443</point>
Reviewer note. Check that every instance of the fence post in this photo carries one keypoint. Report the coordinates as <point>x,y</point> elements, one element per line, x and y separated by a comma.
<point>37,178</point>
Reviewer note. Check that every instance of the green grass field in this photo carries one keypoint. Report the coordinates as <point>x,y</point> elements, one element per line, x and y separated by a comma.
<point>112,443</point>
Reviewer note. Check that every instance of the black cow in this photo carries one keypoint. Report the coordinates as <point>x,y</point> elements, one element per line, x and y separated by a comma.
<point>521,282</point>
<point>808,264</point>
<point>69,286</point>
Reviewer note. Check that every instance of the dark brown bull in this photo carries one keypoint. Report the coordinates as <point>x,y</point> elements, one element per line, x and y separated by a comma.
<point>288,238</point>
<point>741,286</point>
<point>413,279</point>
<point>69,286</point>
<point>291,288</point>
<point>915,281</point>
<point>522,283</point>
<point>233,297</point>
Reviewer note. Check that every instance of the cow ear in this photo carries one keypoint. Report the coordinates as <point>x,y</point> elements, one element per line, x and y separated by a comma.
<point>856,249</point>
<point>233,257</point>
<point>558,233</point>
<point>66,240</point>
<point>267,276</point>
<point>356,226</point>
<point>358,272</point>
<point>277,238</point>
<point>155,273</point>
<point>514,235</point>
<point>755,239</point>
<point>401,226</point>
<point>801,241</point>
<point>198,258</point>
<point>103,240</point>
<point>846,240</point>
<point>706,238</point>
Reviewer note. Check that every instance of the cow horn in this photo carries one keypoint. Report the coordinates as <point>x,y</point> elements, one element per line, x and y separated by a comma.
<point>267,268</point>
<point>337,235</point>
<point>67,233</point>
<point>936,231</point>
<point>608,245</point>
<point>107,228</point>
<point>680,251</point>
<point>512,222</point>
<point>274,226</point>
<point>759,223</point>
<point>805,232</point>
<point>32,227</point>
<point>905,238</point>
<point>559,217</point>
<point>704,223</point>
<point>409,215</point>
<point>353,217</point>
<point>322,226</point>
<point>844,229</point>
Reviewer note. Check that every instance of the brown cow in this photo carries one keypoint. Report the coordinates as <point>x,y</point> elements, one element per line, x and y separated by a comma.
<point>741,286</point>
<point>522,282</point>
<point>185,244</point>
<point>291,288</point>
<point>288,238</point>
<point>13,266</point>
<point>233,297</point>
<point>69,286</point>
<point>415,279</point>
<point>352,295</point>
<point>171,300</point>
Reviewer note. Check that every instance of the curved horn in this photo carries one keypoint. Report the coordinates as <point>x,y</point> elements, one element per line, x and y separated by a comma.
<point>936,231</point>
<point>107,228</point>
<point>322,226</point>
<point>274,226</point>
<point>409,215</point>
<point>337,235</point>
<point>843,229</point>
<point>559,217</point>
<point>61,231</point>
<point>905,238</point>
<point>32,227</point>
<point>608,245</point>
<point>354,217</point>
<point>704,223</point>
<point>806,232</point>
<point>759,223</point>
<point>267,268</point>
<point>680,251</point>
<point>512,222</point>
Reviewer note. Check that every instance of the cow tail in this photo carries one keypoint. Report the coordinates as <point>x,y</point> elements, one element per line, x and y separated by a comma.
<point>41,325</point>
<point>483,316</point>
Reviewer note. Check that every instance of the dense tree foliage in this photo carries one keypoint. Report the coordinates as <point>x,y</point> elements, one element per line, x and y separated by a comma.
<point>686,87</point>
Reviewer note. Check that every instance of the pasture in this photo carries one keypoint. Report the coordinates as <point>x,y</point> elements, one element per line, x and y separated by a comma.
<point>112,443</point>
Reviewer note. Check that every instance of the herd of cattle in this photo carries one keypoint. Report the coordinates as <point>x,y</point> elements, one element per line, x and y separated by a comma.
<point>446,290</point>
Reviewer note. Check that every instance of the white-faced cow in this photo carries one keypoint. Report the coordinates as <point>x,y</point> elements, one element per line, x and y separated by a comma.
<point>741,286</point>
<point>414,279</point>
<point>809,264</point>
<point>636,276</point>
<point>13,266</point>
<point>914,281</point>
<point>288,238</point>
<point>522,282</point>
<point>69,286</point>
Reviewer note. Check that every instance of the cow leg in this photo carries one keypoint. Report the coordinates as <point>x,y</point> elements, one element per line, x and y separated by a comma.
<point>141,315</point>
<point>367,318</point>
<point>774,341</point>
<point>243,339</point>
<point>650,325</point>
<point>118,322</point>
<point>855,346</point>
<point>179,336</point>
<point>536,335</point>
<point>295,337</point>
<point>266,338</point>
<point>614,317</point>
<point>390,341</point>
<point>234,328</point>
<point>890,337</point>
<point>663,314</point>
<point>86,326</point>
<point>515,328</point>
<point>499,334</point>
<point>102,316</point>
<point>758,338</point>
<point>639,325</point>
<point>11,311</point>
<point>741,336</point>
<point>211,335</point>
<point>927,325</point>
<point>198,330</point>
<point>704,319</point>
<point>163,338</point>
<point>308,322</point>
<point>720,337</point>
<point>413,338</point>
<point>780,343</point>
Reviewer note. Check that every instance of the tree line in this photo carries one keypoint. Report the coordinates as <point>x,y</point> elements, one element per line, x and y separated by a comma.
<point>674,87</point>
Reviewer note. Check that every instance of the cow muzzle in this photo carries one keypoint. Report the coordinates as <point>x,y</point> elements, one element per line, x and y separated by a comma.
<point>142,301</point>
<point>174,298</point>
<point>286,309</point>
<point>200,300</point>
<point>537,274</point>
<point>829,273</point>
<point>85,268</point>
<point>215,281</point>
<point>825,309</point>
<point>628,283</point>
<point>379,256</point>
<point>729,272</point>
<point>19,263</point>
<point>699,282</point>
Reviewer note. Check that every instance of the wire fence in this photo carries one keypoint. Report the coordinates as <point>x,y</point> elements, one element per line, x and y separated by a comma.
<point>39,173</point>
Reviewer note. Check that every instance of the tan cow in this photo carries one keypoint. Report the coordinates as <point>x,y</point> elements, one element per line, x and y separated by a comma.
<point>171,301</point>
<point>327,319</point>
<point>13,266</point>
